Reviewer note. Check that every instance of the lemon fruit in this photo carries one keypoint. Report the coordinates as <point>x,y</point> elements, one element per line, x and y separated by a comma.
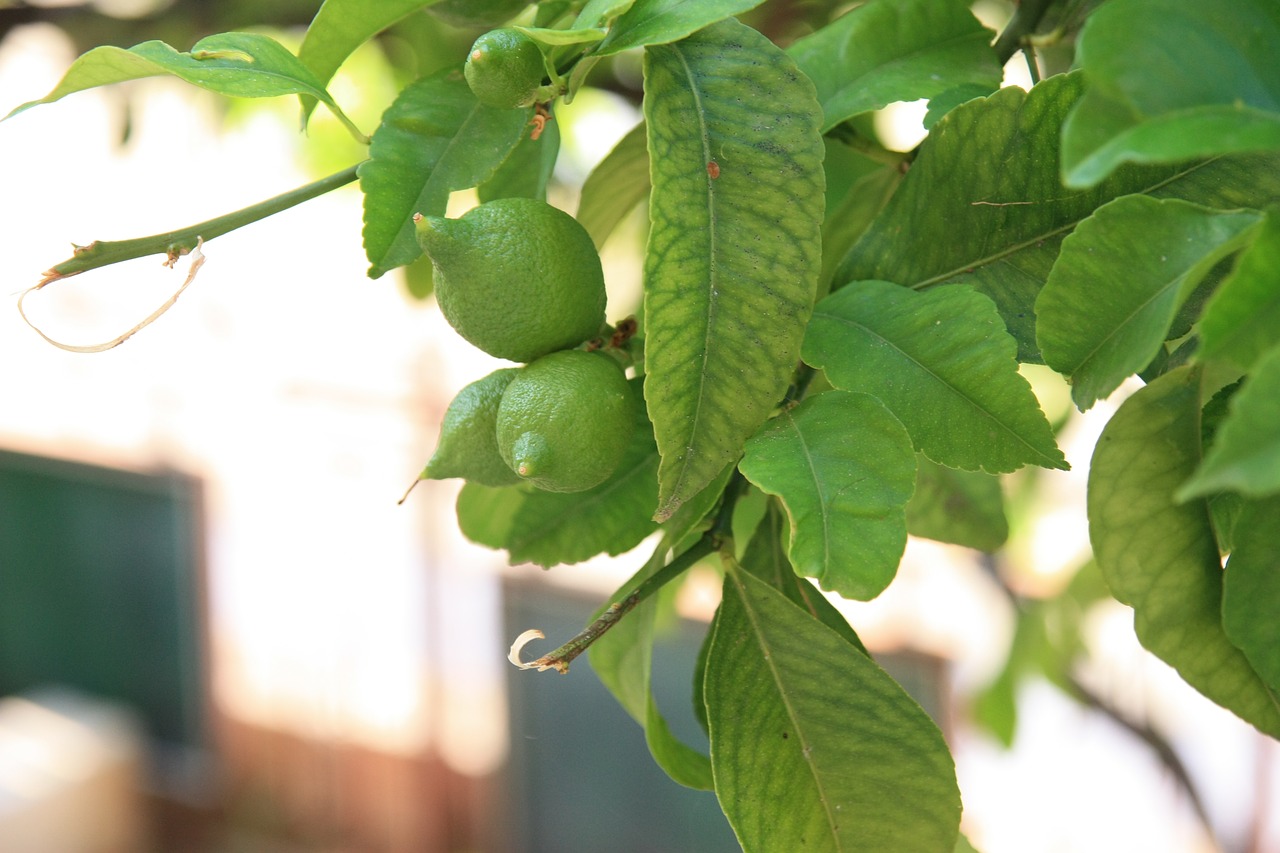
<point>505,69</point>
<point>565,421</point>
<point>473,14</point>
<point>516,277</point>
<point>468,446</point>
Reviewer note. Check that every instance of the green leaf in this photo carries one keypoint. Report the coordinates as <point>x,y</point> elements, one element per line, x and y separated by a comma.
<point>852,215</point>
<point>559,38</point>
<point>766,558</point>
<point>1245,456</point>
<point>1160,556</point>
<point>341,26</point>
<point>615,186</point>
<point>1251,590</point>
<point>1119,281</point>
<point>1171,81</point>
<point>597,13</point>
<point>1240,321</point>
<point>959,507</point>
<point>982,204</point>
<point>241,65</point>
<point>549,528</point>
<point>732,261</point>
<point>844,469</point>
<point>812,743</point>
<point>963,845</point>
<point>895,50</point>
<point>947,101</point>
<point>527,171</point>
<point>655,22</point>
<point>434,139</point>
<point>623,660</point>
<point>943,363</point>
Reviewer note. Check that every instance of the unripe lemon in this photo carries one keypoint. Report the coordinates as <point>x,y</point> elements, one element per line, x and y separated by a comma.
<point>468,446</point>
<point>476,13</point>
<point>566,420</point>
<point>505,69</point>
<point>516,277</point>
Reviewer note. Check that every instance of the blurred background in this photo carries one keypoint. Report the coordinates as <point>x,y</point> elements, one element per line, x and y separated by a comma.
<point>219,631</point>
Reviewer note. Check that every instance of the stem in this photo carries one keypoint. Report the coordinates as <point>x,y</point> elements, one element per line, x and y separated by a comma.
<point>181,241</point>
<point>1033,68</point>
<point>1024,21</point>
<point>560,659</point>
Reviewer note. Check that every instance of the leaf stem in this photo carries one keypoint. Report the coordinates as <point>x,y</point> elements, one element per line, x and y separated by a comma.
<point>1024,21</point>
<point>179,242</point>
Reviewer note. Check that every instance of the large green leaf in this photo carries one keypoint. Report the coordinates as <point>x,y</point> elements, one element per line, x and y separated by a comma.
<point>734,250</point>
<point>1245,456</point>
<point>895,50</point>
<point>548,528</point>
<point>1170,81</point>
<point>434,139</point>
<point>653,22</point>
<point>959,507</point>
<point>943,363</point>
<point>242,65</point>
<point>982,203</point>
<point>615,186</point>
<point>813,746</point>
<point>1119,281</point>
<point>1241,319</point>
<point>623,660</point>
<point>1159,556</point>
<point>341,26</point>
<point>844,469</point>
<point>1251,589</point>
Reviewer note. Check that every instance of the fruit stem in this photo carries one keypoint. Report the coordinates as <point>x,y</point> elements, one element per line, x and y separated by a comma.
<point>177,243</point>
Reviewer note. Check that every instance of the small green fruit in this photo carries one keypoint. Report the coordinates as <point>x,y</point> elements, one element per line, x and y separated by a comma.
<point>468,446</point>
<point>516,277</point>
<point>505,69</point>
<point>565,422</point>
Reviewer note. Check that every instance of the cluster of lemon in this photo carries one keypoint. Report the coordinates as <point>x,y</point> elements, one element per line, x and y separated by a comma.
<point>521,280</point>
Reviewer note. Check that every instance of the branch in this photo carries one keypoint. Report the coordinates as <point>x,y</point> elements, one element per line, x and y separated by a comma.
<point>1023,23</point>
<point>175,244</point>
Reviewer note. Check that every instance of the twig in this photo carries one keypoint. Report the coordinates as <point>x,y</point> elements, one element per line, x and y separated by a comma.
<point>1024,21</point>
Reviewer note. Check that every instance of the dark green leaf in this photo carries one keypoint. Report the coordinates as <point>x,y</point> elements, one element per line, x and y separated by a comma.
<point>1171,81</point>
<point>895,50</point>
<point>1241,319</point>
<point>812,743</point>
<point>1119,281</point>
<point>982,203</point>
<point>435,138</point>
<point>615,186</point>
<point>1245,456</point>
<point>242,65</point>
<point>341,26</point>
<point>1159,556</point>
<point>734,252</point>
<point>653,22</point>
<point>844,469</point>
<point>959,507</point>
<point>943,363</point>
<point>851,215</point>
<point>1251,590</point>
<point>548,528</point>
<point>527,171</point>
<point>944,103</point>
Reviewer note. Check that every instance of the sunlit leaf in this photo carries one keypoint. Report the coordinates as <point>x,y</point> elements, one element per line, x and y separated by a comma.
<point>615,186</point>
<point>734,248</point>
<point>1240,321</point>
<point>812,741</point>
<point>1245,456</point>
<point>435,138</point>
<point>1171,81</point>
<point>1119,281</point>
<point>943,363</point>
<point>895,50</point>
<point>653,22</point>
<point>844,469</point>
<point>1160,556</point>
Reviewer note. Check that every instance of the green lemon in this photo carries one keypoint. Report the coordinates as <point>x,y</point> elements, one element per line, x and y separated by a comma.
<point>505,69</point>
<point>516,277</point>
<point>473,14</point>
<point>468,446</point>
<point>566,420</point>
